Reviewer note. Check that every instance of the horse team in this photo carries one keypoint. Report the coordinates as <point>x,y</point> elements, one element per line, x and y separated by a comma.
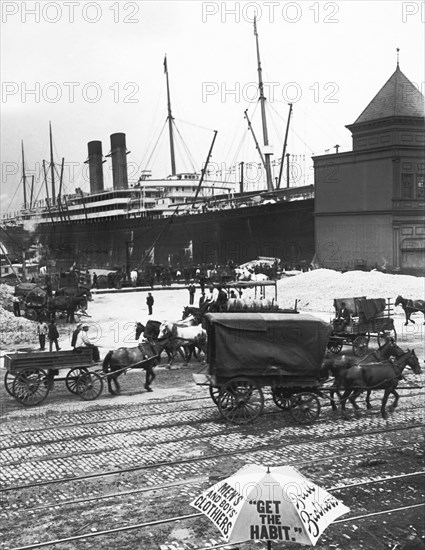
<point>380,370</point>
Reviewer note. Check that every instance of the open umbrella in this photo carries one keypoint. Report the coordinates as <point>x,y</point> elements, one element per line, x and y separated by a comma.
<point>279,504</point>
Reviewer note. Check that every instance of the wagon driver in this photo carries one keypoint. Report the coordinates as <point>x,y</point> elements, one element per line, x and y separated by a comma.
<point>344,316</point>
<point>83,341</point>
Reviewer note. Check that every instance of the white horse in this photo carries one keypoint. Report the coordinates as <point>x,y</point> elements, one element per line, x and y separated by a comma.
<point>191,334</point>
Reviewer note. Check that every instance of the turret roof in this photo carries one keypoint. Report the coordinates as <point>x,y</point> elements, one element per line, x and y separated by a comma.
<point>398,97</point>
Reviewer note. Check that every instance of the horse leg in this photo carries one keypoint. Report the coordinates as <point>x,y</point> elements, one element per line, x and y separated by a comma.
<point>396,398</point>
<point>184,355</point>
<point>384,402</point>
<point>343,400</point>
<point>332,400</point>
<point>150,376</point>
<point>110,390</point>
<point>368,404</point>
<point>354,395</point>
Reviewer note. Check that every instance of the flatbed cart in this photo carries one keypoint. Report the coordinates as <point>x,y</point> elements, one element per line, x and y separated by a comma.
<point>250,351</point>
<point>30,376</point>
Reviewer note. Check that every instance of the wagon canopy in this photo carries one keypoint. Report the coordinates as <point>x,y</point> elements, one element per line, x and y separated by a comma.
<point>266,344</point>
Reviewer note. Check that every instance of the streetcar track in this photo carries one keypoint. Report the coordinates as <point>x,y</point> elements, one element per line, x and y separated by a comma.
<point>217,455</point>
<point>108,408</point>
<point>192,433</point>
<point>193,516</point>
<point>270,411</point>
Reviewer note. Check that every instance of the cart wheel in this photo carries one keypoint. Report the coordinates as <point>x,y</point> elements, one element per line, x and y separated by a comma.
<point>72,377</point>
<point>334,347</point>
<point>240,401</point>
<point>305,407</point>
<point>360,345</point>
<point>8,382</point>
<point>385,335</point>
<point>282,397</point>
<point>214,392</point>
<point>89,386</point>
<point>31,314</point>
<point>30,387</point>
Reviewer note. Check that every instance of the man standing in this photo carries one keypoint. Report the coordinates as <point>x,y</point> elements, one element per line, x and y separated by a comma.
<point>53,336</point>
<point>192,291</point>
<point>16,306</point>
<point>84,342</point>
<point>42,330</point>
<point>150,302</point>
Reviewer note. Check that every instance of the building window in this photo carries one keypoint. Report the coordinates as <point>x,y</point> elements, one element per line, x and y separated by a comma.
<point>407,186</point>
<point>420,186</point>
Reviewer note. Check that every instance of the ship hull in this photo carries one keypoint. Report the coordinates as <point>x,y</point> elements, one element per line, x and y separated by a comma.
<point>284,230</point>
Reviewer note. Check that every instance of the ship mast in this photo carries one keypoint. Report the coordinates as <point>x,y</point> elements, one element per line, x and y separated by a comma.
<point>170,121</point>
<point>24,178</point>
<point>52,166</point>
<point>262,98</point>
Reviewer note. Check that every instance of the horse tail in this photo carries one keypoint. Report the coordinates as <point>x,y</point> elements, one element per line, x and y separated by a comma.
<point>106,361</point>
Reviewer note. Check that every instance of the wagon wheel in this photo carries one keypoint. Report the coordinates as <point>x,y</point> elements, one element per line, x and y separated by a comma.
<point>305,407</point>
<point>8,382</point>
<point>282,397</point>
<point>240,401</point>
<point>89,386</point>
<point>30,386</point>
<point>214,392</point>
<point>72,377</point>
<point>385,335</point>
<point>334,346</point>
<point>31,314</point>
<point>360,345</point>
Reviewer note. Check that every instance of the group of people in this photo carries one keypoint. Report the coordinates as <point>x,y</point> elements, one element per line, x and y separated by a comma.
<point>48,332</point>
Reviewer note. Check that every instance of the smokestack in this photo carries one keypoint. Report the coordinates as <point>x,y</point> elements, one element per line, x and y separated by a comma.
<point>95,162</point>
<point>119,161</point>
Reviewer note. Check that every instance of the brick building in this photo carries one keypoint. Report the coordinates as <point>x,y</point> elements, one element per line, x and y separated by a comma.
<point>370,202</point>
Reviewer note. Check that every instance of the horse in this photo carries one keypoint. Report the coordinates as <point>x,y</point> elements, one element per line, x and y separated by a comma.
<point>194,336</point>
<point>337,367</point>
<point>409,307</point>
<point>75,292</point>
<point>170,346</point>
<point>121,358</point>
<point>376,376</point>
<point>66,303</point>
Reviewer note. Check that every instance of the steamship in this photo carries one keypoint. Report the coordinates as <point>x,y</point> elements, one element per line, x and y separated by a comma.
<point>183,219</point>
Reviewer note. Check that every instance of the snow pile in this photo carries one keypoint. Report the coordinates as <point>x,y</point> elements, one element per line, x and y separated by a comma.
<point>317,289</point>
<point>6,297</point>
<point>13,330</point>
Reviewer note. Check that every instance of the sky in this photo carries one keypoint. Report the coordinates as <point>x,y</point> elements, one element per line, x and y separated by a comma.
<point>96,68</point>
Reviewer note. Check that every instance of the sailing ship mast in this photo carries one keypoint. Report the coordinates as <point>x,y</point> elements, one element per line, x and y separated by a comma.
<point>24,178</point>
<point>170,121</point>
<point>52,166</point>
<point>267,154</point>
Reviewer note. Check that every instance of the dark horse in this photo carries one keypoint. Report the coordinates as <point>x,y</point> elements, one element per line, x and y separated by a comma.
<point>376,376</point>
<point>66,303</point>
<point>410,306</point>
<point>144,356</point>
<point>336,367</point>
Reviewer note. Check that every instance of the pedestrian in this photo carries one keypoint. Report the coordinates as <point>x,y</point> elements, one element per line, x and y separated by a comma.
<point>192,291</point>
<point>16,306</point>
<point>150,302</point>
<point>42,331</point>
<point>83,341</point>
<point>95,283</point>
<point>53,336</point>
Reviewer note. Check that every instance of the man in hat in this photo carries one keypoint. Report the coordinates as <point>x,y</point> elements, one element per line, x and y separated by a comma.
<point>83,341</point>
<point>149,302</point>
<point>42,331</point>
<point>53,336</point>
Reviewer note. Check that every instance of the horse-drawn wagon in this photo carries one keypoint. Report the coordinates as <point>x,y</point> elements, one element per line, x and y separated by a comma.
<point>39,305</point>
<point>250,351</point>
<point>30,376</point>
<point>368,318</point>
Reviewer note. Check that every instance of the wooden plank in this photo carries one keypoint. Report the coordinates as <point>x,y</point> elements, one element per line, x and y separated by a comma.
<point>49,360</point>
